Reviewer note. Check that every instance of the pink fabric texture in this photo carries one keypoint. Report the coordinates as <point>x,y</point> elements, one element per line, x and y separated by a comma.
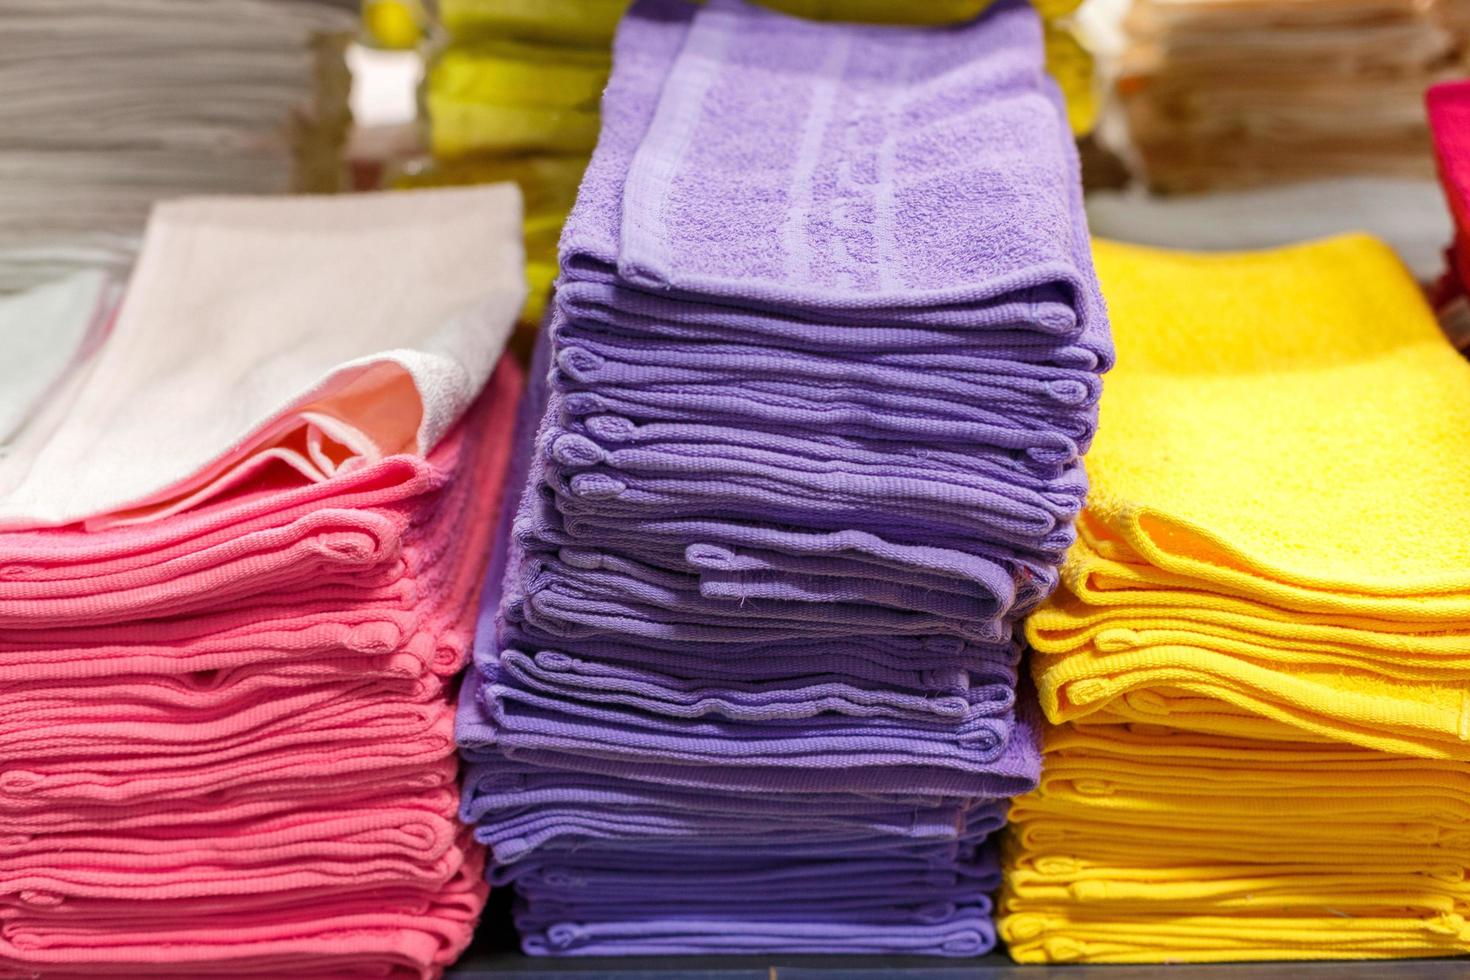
<point>1449,119</point>
<point>227,744</point>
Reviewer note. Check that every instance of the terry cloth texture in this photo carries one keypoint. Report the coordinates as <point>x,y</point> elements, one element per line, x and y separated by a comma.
<point>228,734</point>
<point>804,441</point>
<point>512,94</point>
<point>1265,612</point>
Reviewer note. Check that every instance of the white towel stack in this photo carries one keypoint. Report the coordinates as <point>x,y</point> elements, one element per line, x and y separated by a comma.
<point>111,105</point>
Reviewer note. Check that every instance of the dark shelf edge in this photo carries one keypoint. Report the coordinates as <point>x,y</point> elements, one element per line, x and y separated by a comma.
<point>509,966</point>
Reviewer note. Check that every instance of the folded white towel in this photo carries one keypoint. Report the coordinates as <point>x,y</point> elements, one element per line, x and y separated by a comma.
<point>319,332</point>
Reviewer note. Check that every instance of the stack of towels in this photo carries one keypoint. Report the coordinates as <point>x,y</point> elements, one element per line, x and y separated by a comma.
<point>110,108</point>
<point>1232,93</point>
<point>227,714</point>
<point>821,369</point>
<point>1256,663</point>
<point>513,94</point>
<point>1449,120</point>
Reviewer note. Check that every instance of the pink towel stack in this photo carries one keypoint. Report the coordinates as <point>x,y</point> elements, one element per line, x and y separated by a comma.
<point>226,744</point>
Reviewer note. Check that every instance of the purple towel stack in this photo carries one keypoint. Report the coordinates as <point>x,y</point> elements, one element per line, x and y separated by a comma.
<point>803,442</point>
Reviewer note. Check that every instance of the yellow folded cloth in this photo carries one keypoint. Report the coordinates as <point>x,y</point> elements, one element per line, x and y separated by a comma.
<point>588,23</point>
<point>511,97</point>
<point>592,22</point>
<point>1257,689</point>
<point>1143,844</point>
<point>1144,615</point>
<point>1288,425</point>
<point>1074,69</point>
<point>1266,550</point>
<point>1256,660</point>
<point>1074,936</point>
<point>393,24</point>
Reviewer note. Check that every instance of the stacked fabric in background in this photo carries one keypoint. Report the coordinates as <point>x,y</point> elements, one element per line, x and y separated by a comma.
<point>110,108</point>
<point>754,631</point>
<point>1256,660</point>
<point>228,708</point>
<point>1233,93</point>
<point>513,95</point>
<point>1449,120</point>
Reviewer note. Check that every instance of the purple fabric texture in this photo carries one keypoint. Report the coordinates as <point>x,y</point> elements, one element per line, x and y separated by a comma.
<point>803,441</point>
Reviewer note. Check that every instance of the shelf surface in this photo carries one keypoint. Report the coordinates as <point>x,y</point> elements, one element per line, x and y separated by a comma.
<point>514,966</point>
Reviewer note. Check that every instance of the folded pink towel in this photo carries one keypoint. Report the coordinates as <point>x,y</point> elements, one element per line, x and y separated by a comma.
<point>273,536</point>
<point>407,933</point>
<point>227,745</point>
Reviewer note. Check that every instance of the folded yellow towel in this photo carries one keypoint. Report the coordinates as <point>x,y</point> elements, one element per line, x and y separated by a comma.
<point>1266,551</point>
<point>1144,844</point>
<point>1259,649</point>
<point>588,23</point>
<point>1067,623</point>
<point>1074,936</point>
<point>512,97</point>
<point>1074,69</point>
<point>1287,425</point>
<point>1257,689</point>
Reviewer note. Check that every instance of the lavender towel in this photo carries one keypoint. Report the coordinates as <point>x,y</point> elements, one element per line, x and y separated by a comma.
<point>802,443</point>
<point>870,175</point>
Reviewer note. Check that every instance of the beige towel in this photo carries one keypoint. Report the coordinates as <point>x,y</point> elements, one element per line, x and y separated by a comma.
<point>322,333</point>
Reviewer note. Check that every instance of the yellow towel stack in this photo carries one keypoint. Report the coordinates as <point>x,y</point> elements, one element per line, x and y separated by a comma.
<point>1259,661</point>
<point>514,94</point>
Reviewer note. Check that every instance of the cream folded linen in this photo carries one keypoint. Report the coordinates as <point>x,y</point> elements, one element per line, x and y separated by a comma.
<point>322,333</point>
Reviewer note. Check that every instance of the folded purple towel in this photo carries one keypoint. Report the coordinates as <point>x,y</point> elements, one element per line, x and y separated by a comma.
<point>881,175</point>
<point>802,442</point>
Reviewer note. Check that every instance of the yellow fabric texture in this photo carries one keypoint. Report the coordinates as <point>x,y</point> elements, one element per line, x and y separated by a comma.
<point>393,24</point>
<point>1269,479</point>
<point>498,97</point>
<point>1146,844</point>
<point>1256,664</point>
<point>557,23</point>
